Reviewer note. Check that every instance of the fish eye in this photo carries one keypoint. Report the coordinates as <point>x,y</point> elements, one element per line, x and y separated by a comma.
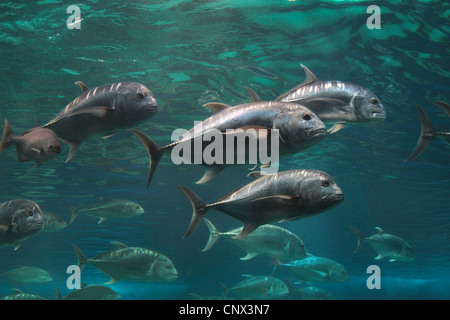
<point>140,95</point>
<point>306,117</point>
<point>374,101</point>
<point>325,183</point>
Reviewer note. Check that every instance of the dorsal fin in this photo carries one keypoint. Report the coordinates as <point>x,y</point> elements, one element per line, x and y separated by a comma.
<point>256,175</point>
<point>119,245</point>
<point>310,78</point>
<point>216,106</point>
<point>381,231</point>
<point>83,87</point>
<point>253,95</point>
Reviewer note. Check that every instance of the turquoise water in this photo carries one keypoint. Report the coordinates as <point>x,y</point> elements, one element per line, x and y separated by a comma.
<point>189,53</point>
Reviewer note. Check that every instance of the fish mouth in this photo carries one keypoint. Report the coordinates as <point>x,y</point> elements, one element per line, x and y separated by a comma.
<point>379,115</point>
<point>172,276</point>
<point>316,133</point>
<point>55,149</point>
<point>336,197</point>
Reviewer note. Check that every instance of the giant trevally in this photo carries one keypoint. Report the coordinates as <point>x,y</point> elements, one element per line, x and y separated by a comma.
<point>336,101</point>
<point>20,220</point>
<point>257,287</point>
<point>20,295</point>
<point>298,128</point>
<point>131,263</point>
<point>109,208</point>
<point>90,292</point>
<point>283,196</point>
<point>27,274</point>
<point>428,133</point>
<point>53,222</point>
<point>386,245</point>
<point>314,268</point>
<point>267,240</point>
<point>37,144</point>
<point>103,111</point>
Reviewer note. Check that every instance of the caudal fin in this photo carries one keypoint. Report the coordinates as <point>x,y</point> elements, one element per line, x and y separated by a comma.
<point>427,134</point>
<point>361,239</point>
<point>74,214</point>
<point>82,260</point>
<point>213,235</point>
<point>155,152</point>
<point>6,137</point>
<point>199,206</point>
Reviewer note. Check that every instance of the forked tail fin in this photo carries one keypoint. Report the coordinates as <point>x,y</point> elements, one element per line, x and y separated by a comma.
<point>199,206</point>
<point>6,137</point>
<point>361,239</point>
<point>427,134</point>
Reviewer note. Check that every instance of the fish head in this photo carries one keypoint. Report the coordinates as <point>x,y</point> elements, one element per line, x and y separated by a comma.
<point>134,208</point>
<point>28,219</point>
<point>367,106</point>
<point>338,273</point>
<point>318,191</point>
<point>135,103</point>
<point>163,269</point>
<point>52,149</point>
<point>295,249</point>
<point>278,288</point>
<point>300,127</point>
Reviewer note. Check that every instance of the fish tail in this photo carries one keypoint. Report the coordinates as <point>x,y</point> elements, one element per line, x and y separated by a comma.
<point>58,295</point>
<point>200,209</point>
<point>213,235</point>
<point>82,259</point>
<point>224,289</point>
<point>427,134</point>
<point>156,152</point>
<point>74,214</point>
<point>361,239</point>
<point>6,137</point>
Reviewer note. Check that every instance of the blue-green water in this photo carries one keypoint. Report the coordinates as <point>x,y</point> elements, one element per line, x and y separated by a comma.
<point>193,52</point>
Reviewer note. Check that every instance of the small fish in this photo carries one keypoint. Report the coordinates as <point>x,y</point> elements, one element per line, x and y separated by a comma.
<point>259,287</point>
<point>313,293</point>
<point>37,144</point>
<point>386,245</point>
<point>336,101</point>
<point>283,196</point>
<point>53,222</point>
<point>90,292</point>
<point>19,295</point>
<point>314,268</point>
<point>27,275</point>
<point>131,263</point>
<point>266,240</point>
<point>428,133</point>
<point>109,208</point>
<point>103,111</point>
<point>20,220</point>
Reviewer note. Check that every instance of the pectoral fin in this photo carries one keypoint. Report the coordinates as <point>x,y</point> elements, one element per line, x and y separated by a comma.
<point>249,256</point>
<point>336,127</point>
<point>210,173</point>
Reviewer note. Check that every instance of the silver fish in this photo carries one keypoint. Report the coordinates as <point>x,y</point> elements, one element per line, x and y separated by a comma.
<point>266,240</point>
<point>386,245</point>
<point>299,128</point>
<point>27,274</point>
<point>20,220</point>
<point>131,263</point>
<point>90,292</point>
<point>336,101</point>
<point>283,196</point>
<point>19,295</point>
<point>428,133</point>
<point>257,287</point>
<point>109,208</point>
<point>37,144</point>
<point>313,293</point>
<point>320,269</point>
<point>103,111</point>
<point>53,222</point>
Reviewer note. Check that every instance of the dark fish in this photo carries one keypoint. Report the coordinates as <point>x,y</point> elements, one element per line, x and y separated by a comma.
<point>19,295</point>
<point>103,111</point>
<point>283,196</point>
<point>19,220</point>
<point>298,129</point>
<point>427,132</point>
<point>37,144</point>
<point>336,101</point>
<point>90,292</point>
<point>259,287</point>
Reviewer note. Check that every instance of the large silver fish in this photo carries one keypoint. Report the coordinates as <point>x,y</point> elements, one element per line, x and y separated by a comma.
<point>257,287</point>
<point>386,245</point>
<point>428,133</point>
<point>20,220</point>
<point>336,101</point>
<point>299,128</point>
<point>27,274</point>
<point>103,111</point>
<point>37,144</point>
<point>131,263</point>
<point>266,240</point>
<point>283,196</point>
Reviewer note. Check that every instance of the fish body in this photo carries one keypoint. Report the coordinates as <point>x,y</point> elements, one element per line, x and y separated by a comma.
<point>336,101</point>
<point>53,222</point>
<point>27,275</point>
<point>19,295</point>
<point>37,144</point>
<point>298,128</point>
<point>266,240</point>
<point>386,245</point>
<point>313,293</point>
<point>109,208</point>
<point>103,111</point>
<point>90,292</point>
<point>283,196</point>
<point>131,263</point>
<point>318,269</point>
<point>258,287</point>
<point>20,220</point>
<point>428,133</point>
